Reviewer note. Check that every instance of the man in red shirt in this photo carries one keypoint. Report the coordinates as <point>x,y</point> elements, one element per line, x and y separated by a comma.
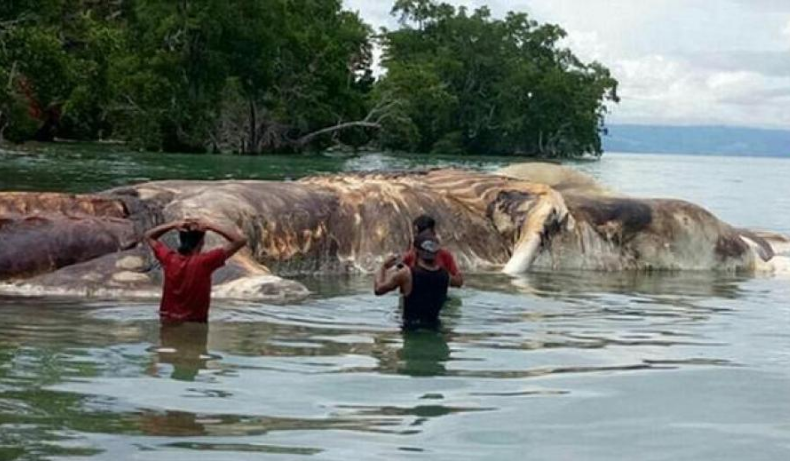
<point>186,294</point>
<point>444,258</point>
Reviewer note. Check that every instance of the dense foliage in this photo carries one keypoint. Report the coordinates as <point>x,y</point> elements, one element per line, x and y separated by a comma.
<point>253,76</point>
<point>471,83</point>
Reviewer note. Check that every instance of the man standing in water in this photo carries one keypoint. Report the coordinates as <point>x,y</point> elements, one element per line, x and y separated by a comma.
<point>186,294</point>
<point>444,258</point>
<point>423,286</point>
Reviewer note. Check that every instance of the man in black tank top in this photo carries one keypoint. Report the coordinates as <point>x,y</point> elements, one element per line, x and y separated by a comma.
<point>423,286</point>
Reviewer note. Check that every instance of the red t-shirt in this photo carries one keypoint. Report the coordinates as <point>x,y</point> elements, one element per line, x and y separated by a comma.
<point>186,294</point>
<point>443,258</point>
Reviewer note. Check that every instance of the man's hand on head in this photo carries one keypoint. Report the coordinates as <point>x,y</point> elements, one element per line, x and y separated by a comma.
<point>204,225</point>
<point>151,235</point>
<point>186,224</point>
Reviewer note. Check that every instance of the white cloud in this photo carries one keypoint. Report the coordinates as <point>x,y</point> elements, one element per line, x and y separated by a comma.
<point>586,45</point>
<point>661,90</point>
<point>678,61</point>
<point>725,80</point>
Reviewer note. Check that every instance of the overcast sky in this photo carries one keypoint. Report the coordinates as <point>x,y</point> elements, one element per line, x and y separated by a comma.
<point>679,62</point>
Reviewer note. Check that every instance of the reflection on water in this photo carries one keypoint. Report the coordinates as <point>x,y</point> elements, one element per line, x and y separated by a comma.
<point>184,346</point>
<point>424,352</point>
<point>616,360</point>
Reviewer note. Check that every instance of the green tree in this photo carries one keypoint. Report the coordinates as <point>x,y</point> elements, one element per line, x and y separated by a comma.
<point>241,75</point>
<point>470,83</point>
<point>54,56</point>
<point>256,76</point>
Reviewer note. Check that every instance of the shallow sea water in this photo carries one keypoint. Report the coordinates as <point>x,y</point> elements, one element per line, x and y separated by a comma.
<point>550,366</point>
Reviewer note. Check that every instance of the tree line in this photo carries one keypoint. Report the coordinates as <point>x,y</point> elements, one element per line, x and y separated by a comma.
<point>271,76</point>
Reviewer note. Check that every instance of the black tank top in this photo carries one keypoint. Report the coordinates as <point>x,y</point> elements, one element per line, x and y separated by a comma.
<point>428,294</point>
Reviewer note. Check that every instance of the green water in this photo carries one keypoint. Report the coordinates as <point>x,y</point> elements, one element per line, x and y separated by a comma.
<point>581,366</point>
<point>91,168</point>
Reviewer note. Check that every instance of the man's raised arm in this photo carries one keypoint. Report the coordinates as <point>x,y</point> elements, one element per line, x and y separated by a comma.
<point>235,240</point>
<point>152,235</point>
<point>456,277</point>
<point>387,280</point>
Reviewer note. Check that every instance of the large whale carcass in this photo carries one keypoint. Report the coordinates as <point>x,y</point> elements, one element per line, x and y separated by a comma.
<point>525,218</point>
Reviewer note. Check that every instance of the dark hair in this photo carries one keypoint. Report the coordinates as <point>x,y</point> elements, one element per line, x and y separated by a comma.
<point>189,240</point>
<point>424,223</point>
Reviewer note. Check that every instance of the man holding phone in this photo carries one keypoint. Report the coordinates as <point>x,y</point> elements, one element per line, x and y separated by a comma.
<point>423,286</point>
<point>444,258</point>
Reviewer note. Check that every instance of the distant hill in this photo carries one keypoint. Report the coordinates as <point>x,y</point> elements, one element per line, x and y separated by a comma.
<point>698,140</point>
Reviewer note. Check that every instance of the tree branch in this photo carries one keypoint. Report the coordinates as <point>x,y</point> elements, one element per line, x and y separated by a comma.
<point>13,22</point>
<point>306,139</point>
<point>3,126</point>
<point>11,75</point>
<point>373,119</point>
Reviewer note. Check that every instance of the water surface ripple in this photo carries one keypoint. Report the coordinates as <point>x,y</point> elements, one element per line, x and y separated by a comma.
<point>567,366</point>
<point>551,366</point>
